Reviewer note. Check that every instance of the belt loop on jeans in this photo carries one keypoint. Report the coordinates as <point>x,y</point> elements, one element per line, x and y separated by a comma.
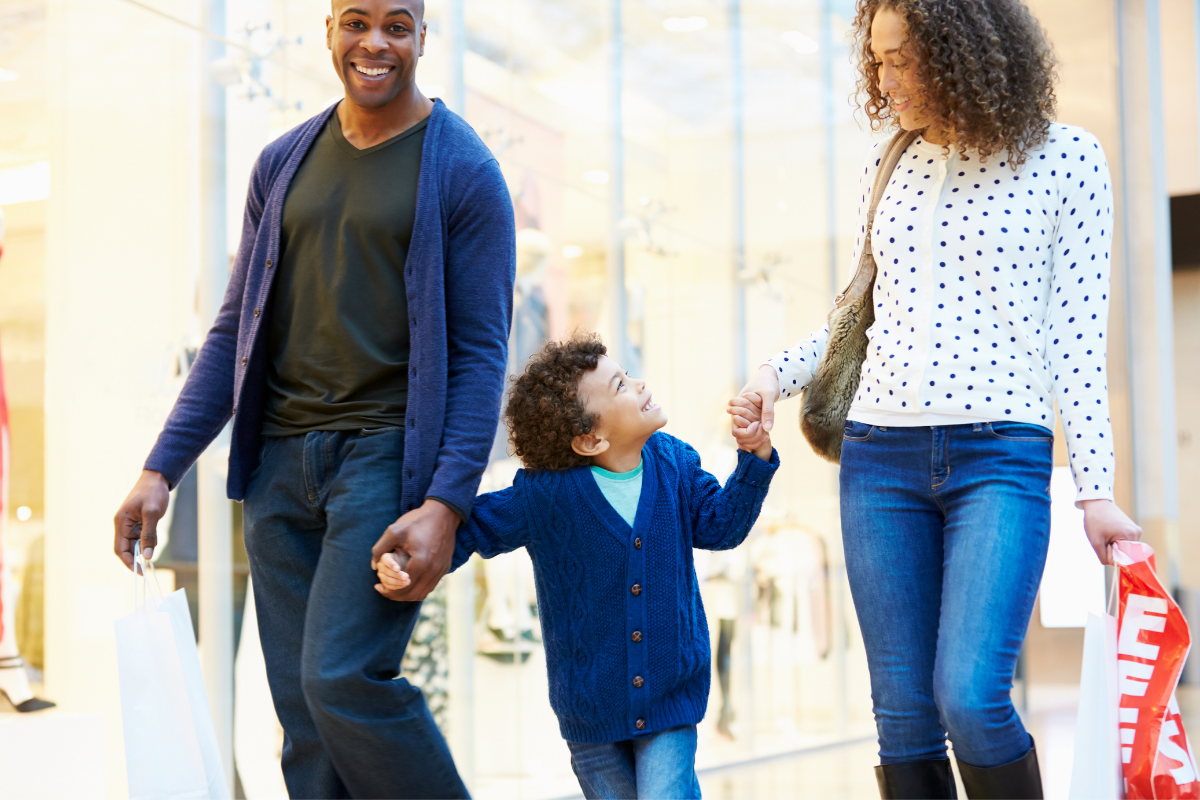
<point>977,427</point>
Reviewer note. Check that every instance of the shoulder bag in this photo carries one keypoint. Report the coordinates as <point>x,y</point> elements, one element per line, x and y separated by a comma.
<point>828,397</point>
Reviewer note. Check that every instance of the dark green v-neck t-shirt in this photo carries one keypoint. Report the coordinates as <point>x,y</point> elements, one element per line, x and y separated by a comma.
<point>337,330</point>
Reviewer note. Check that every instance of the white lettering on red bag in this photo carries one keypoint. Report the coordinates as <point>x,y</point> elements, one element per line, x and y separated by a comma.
<point>1152,644</point>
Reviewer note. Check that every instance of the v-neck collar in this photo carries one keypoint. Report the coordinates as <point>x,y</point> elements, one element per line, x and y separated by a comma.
<point>614,523</point>
<point>335,128</point>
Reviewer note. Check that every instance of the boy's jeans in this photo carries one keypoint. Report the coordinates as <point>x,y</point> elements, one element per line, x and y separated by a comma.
<point>661,766</point>
<point>946,531</point>
<point>333,645</point>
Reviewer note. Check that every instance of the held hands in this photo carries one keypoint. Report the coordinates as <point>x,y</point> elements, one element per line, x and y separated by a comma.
<point>1104,524</point>
<point>422,546</point>
<point>753,412</point>
<point>392,577</point>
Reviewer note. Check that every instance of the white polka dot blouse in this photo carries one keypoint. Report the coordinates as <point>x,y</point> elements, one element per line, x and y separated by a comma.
<point>991,302</point>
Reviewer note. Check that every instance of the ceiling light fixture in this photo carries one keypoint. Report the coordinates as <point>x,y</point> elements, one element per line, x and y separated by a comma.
<point>8,76</point>
<point>572,251</point>
<point>596,176</point>
<point>800,43</point>
<point>685,24</point>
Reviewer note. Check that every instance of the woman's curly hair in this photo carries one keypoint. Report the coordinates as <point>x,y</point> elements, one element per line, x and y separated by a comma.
<point>545,412</point>
<point>986,66</point>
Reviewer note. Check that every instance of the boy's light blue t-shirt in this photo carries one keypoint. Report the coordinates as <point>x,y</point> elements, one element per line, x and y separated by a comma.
<point>621,489</point>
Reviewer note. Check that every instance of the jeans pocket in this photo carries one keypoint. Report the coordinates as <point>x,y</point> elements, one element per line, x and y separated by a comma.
<point>857,431</point>
<point>1018,432</point>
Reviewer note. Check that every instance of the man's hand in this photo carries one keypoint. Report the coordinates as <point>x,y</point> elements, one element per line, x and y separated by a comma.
<point>1104,524</point>
<point>426,536</point>
<point>139,515</point>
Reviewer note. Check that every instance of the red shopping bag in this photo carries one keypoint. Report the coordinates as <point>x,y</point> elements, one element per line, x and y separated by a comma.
<point>1153,641</point>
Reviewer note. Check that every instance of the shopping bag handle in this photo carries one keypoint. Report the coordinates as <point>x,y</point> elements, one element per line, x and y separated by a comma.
<point>1112,605</point>
<point>144,563</point>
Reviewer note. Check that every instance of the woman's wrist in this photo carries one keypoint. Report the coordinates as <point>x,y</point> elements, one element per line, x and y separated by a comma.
<point>767,378</point>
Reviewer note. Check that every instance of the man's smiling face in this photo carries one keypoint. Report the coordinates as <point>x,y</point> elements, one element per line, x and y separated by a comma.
<point>375,46</point>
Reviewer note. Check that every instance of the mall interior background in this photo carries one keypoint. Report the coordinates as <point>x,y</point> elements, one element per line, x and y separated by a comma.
<point>723,190</point>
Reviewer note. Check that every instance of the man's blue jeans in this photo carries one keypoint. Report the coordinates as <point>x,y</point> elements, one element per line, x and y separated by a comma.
<point>945,532</point>
<point>333,645</point>
<point>661,766</point>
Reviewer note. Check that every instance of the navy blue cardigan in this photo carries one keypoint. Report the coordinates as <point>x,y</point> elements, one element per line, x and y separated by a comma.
<point>459,278</point>
<point>622,622</point>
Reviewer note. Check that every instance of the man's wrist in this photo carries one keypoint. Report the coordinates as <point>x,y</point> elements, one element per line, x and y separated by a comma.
<point>449,506</point>
<point>153,475</point>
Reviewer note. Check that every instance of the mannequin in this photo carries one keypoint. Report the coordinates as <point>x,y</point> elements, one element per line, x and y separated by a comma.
<point>14,683</point>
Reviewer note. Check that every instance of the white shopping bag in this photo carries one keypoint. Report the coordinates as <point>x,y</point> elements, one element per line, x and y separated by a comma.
<point>1096,773</point>
<point>171,747</point>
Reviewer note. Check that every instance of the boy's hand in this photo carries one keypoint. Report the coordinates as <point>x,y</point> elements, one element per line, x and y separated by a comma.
<point>763,451</point>
<point>392,577</point>
<point>748,429</point>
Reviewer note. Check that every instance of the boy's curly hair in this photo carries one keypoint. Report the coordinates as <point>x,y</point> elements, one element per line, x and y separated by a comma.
<point>986,66</point>
<point>545,412</point>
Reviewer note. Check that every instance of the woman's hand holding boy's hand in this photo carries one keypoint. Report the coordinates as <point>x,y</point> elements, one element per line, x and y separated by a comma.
<point>753,411</point>
<point>748,426</point>
<point>392,577</point>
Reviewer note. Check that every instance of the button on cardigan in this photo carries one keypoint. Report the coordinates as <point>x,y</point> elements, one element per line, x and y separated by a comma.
<point>624,629</point>
<point>991,301</point>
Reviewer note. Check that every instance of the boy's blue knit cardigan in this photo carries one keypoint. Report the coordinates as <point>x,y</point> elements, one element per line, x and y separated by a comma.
<point>622,622</point>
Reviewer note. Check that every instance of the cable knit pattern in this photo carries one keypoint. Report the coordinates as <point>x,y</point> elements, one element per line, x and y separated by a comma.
<point>600,634</point>
<point>991,301</point>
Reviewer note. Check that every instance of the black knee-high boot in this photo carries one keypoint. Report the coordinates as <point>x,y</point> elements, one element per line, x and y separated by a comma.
<point>1017,780</point>
<point>916,780</point>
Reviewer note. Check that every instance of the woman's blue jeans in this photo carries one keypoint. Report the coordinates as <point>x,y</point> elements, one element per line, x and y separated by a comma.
<point>945,532</point>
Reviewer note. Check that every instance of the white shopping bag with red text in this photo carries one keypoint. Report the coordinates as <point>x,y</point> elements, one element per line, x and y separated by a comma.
<point>1153,642</point>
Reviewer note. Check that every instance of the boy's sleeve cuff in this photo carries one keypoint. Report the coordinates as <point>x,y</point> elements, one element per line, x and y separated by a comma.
<point>461,556</point>
<point>753,470</point>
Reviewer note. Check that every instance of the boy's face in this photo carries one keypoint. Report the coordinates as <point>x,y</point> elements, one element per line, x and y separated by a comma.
<point>627,413</point>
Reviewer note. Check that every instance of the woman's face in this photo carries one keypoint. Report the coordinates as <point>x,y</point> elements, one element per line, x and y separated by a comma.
<point>896,70</point>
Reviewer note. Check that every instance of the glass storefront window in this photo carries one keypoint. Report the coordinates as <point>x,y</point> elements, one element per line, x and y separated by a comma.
<point>709,215</point>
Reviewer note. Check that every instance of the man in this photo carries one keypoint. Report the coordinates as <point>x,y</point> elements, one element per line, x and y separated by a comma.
<point>14,683</point>
<point>364,392</point>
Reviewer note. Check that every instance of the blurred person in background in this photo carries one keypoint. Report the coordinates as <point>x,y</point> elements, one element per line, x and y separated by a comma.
<point>14,681</point>
<point>360,352</point>
<point>991,301</point>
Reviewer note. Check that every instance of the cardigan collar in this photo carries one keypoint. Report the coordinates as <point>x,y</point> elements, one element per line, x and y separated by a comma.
<point>613,522</point>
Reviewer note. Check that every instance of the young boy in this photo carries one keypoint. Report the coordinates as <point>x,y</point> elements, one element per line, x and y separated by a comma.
<point>610,510</point>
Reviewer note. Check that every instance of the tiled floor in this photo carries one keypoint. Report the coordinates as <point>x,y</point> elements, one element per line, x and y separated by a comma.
<point>846,772</point>
<point>31,758</point>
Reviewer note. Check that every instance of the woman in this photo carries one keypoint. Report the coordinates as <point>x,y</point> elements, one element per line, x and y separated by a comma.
<point>991,303</point>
